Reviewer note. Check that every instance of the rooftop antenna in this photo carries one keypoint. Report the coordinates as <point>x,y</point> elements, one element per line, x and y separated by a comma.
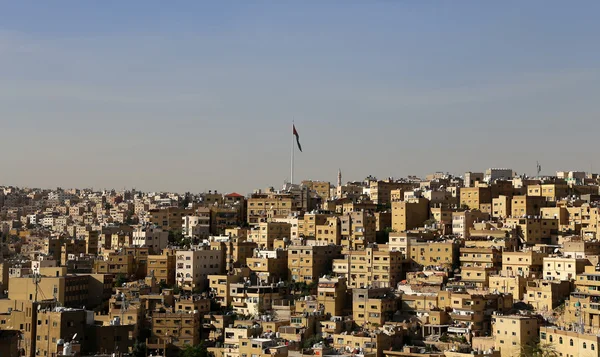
<point>538,168</point>
<point>36,282</point>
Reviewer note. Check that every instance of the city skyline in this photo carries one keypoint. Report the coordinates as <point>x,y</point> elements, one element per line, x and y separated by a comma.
<point>196,96</point>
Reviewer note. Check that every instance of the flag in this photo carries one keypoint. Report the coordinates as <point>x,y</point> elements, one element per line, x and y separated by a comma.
<point>297,138</point>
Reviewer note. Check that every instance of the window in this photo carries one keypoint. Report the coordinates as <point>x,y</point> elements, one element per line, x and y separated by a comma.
<point>571,342</point>
<point>560,340</point>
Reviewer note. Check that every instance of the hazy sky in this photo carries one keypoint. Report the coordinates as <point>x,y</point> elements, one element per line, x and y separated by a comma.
<point>192,96</point>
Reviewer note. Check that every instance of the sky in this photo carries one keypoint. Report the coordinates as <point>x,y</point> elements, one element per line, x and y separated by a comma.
<point>198,95</point>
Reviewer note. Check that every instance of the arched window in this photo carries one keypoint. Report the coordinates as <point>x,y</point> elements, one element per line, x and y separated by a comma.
<point>560,340</point>
<point>592,347</point>
<point>551,338</point>
<point>571,342</point>
<point>584,345</point>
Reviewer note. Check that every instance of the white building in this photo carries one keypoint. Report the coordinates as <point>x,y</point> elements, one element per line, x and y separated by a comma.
<point>42,263</point>
<point>194,266</point>
<point>154,238</point>
<point>196,226</point>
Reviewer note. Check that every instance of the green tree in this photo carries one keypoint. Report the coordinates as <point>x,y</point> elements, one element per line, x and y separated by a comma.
<point>312,340</point>
<point>194,351</point>
<point>139,349</point>
<point>120,280</point>
<point>538,349</point>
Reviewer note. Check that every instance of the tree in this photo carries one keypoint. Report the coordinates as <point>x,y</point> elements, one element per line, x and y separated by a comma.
<point>139,349</point>
<point>538,349</point>
<point>194,351</point>
<point>312,340</point>
<point>120,280</point>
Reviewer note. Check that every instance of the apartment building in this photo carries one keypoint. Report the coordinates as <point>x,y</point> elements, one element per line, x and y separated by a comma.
<point>551,191</point>
<point>155,239</point>
<point>464,221</point>
<point>375,266</point>
<point>380,191</point>
<point>358,229</point>
<point>175,329</point>
<point>255,299</point>
<point>197,225</point>
<point>569,343</point>
<point>434,253</point>
<point>373,306</point>
<point>534,230</point>
<point>545,295</point>
<point>162,267</point>
<point>524,205</point>
<point>168,219</point>
<point>562,268</point>
<point>270,266</point>
<point>331,294</point>
<point>509,284</point>
<point>69,290</point>
<point>194,266</point>
<point>308,263</point>
<point>474,197</point>
<point>265,233</point>
<point>501,206</point>
<point>264,207</point>
<point>409,214</point>
<point>322,188</point>
<point>512,332</point>
<point>220,287</point>
<point>527,263</point>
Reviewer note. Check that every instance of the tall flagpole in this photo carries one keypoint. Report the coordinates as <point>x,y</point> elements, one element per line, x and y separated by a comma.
<point>292,173</point>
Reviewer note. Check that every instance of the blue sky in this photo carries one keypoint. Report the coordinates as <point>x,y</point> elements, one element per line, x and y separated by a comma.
<point>192,96</point>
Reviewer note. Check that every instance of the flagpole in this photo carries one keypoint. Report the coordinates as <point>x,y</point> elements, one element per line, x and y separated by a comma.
<point>292,166</point>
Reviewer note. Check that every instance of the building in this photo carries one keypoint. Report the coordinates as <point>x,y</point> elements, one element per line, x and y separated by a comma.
<point>472,179</point>
<point>162,267</point>
<point>264,207</point>
<point>570,343</point>
<point>373,306</point>
<point>331,294</point>
<point>308,263</point>
<point>375,266</point>
<point>168,219</point>
<point>512,332</point>
<point>464,221</point>
<point>155,239</point>
<point>380,191</point>
<point>265,233</point>
<point>561,268</point>
<point>545,295</point>
<point>523,205</point>
<point>175,329</point>
<point>409,214</point>
<point>270,266</point>
<point>197,225</point>
<point>495,174</point>
<point>194,266</point>
<point>443,253</point>
<point>357,230</point>
<point>527,263</point>
<point>475,197</point>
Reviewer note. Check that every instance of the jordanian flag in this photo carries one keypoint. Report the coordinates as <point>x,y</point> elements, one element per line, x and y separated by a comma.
<point>297,138</point>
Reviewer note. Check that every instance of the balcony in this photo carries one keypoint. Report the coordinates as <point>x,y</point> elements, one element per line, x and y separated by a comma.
<point>462,316</point>
<point>239,303</point>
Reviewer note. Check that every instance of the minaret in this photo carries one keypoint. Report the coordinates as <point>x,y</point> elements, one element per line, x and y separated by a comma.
<point>339,182</point>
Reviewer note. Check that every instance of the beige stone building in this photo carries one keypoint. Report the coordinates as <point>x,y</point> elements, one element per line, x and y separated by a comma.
<point>511,332</point>
<point>308,263</point>
<point>409,214</point>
